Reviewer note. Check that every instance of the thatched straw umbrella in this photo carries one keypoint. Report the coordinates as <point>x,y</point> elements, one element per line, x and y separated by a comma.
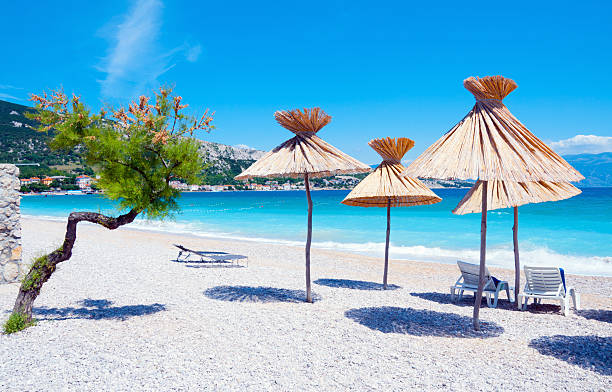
<point>305,155</point>
<point>386,187</point>
<point>504,194</point>
<point>491,144</point>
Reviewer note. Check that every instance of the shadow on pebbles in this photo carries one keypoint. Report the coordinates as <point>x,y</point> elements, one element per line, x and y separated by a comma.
<point>418,322</point>
<point>354,284</point>
<point>258,294</point>
<point>589,352</point>
<point>97,309</point>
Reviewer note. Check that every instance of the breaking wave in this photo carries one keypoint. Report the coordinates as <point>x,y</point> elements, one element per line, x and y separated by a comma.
<point>500,256</point>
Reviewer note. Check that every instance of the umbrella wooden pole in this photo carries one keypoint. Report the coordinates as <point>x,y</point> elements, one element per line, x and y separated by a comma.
<point>517,263</point>
<point>308,238</point>
<point>387,244</point>
<point>483,254</point>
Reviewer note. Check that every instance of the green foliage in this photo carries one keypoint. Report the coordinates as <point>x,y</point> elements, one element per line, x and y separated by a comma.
<point>36,187</point>
<point>39,171</point>
<point>40,187</point>
<point>33,278</point>
<point>20,143</point>
<point>136,153</point>
<point>17,322</point>
<point>223,170</point>
<point>25,145</point>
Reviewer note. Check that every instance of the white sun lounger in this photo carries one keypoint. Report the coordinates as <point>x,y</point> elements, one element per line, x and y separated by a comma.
<point>547,283</point>
<point>468,281</point>
<point>208,256</point>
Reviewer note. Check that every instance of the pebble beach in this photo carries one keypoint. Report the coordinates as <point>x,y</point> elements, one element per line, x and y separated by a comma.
<point>121,314</point>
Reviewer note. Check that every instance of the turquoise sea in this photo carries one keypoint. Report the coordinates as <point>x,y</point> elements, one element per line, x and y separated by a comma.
<point>574,233</point>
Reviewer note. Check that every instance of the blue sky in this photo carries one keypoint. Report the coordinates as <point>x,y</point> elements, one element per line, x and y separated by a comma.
<point>380,69</point>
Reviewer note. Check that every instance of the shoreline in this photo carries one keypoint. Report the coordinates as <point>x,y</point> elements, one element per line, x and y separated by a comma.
<point>313,189</point>
<point>262,190</point>
<point>344,248</point>
<point>297,245</point>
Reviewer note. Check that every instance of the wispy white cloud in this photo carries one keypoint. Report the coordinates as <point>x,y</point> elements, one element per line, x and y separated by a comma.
<point>9,87</point>
<point>193,53</point>
<point>9,96</point>
<point>580,144</point>
<point>5,95</point>
<point>135,58</point>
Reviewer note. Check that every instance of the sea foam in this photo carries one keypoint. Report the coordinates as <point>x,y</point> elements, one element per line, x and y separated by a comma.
<point>500,256</point>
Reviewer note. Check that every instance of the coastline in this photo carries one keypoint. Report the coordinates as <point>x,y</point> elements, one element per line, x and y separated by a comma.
<point>373,250</point>
<point>602,285</point>
<point>269,190</point>
<point>227,190</point>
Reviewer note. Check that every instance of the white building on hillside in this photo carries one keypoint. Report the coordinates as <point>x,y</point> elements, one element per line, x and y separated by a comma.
<point>83,181</point>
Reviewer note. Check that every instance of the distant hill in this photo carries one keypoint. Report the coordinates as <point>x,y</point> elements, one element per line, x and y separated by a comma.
<point>21,143</point>
<point>596,168</point>
<point>226,162</point>
<point>216,151</point>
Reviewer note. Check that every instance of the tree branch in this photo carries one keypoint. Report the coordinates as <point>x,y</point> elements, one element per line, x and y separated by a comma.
<point>44,266</point>
<point>135,168</point>
<point>174,166</point>
<point>158,155</point>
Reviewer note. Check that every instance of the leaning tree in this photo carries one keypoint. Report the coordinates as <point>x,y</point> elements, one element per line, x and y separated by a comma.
<point>136,152</point>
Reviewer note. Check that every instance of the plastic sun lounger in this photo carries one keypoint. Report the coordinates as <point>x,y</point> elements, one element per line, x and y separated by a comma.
<point>208,256</point>
<point>547,283</point>
<point>468,281</point>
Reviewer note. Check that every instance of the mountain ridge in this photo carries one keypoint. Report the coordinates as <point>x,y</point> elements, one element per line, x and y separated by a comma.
<point>596,168</point>
<point>21,143</point>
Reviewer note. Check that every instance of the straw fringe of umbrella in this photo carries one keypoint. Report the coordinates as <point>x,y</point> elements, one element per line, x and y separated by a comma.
<point>386,182</point>
<point>504,194</point>
<point>305,155</point>
<point>386,187</point>
<point>490,144</point>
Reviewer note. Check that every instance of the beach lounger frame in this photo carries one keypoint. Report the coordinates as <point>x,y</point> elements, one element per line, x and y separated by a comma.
<point>468,281</point>
<point>547,283</point>
<point>185,254</point>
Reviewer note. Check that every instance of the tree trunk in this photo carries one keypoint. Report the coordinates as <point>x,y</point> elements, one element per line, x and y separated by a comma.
<point>387,244</point>
<point>483,254</point>
<point>517,263</point>
<point>44,266</point>
<point>308,238</point>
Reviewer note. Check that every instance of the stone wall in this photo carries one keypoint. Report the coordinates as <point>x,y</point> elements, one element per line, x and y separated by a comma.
<point>11,266</point>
